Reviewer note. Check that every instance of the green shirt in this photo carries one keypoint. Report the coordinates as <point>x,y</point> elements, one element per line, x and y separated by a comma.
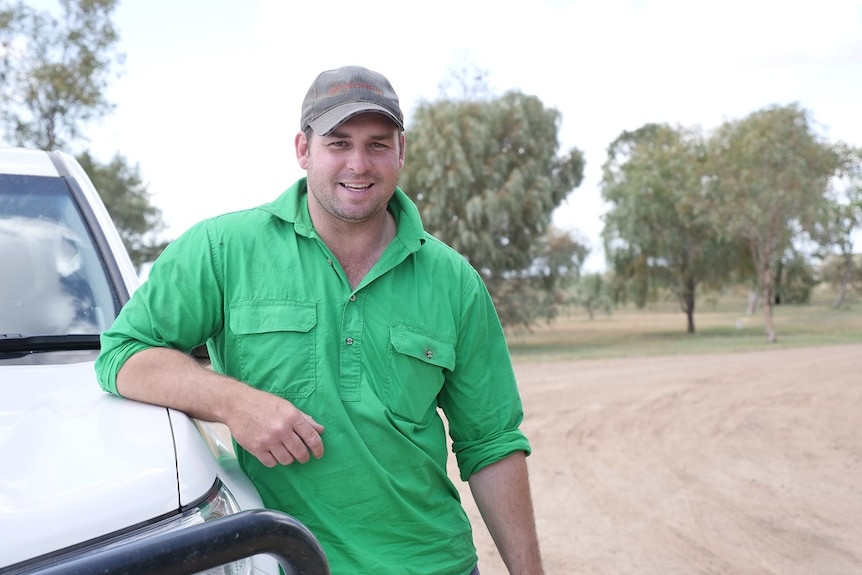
<point>371,364</point>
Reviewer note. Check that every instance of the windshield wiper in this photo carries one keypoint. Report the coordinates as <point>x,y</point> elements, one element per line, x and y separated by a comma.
<point>15,342</point>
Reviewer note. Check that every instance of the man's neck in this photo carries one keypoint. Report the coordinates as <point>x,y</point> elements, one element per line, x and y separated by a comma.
<point>357,246</point>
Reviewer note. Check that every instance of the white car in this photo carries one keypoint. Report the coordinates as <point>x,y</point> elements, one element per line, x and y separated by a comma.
<point>84,473</point>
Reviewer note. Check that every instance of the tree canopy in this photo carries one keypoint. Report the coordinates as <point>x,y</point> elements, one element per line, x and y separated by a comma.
<point>744,202</point>
<point>54,71</point>
<point>839,219</point>
<point>138,221</point>
<point>771,173</point>
<point>486,176</point>
<point>54,75</point>
<point>658,231</point>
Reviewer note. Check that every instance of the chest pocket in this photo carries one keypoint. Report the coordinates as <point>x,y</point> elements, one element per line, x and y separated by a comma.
<point>416,371</point>
<point>276,345</point>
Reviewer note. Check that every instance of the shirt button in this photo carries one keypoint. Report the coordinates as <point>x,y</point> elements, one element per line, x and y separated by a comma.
<point>353,297</point>
<point>429,354</point>
<point>349,341</point>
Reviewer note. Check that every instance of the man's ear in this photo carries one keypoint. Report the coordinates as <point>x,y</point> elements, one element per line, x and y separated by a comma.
<point>301,144</point>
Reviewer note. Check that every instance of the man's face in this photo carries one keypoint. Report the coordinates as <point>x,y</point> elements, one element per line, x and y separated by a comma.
<point>352,172</point>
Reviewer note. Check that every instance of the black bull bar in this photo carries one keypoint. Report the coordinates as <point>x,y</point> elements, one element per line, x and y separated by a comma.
<point>208,545</point>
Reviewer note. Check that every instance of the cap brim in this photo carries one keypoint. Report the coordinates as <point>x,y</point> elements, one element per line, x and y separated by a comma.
<point>334,117</point>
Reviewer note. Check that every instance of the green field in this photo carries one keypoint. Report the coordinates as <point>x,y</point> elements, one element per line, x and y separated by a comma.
<point>721,324</point>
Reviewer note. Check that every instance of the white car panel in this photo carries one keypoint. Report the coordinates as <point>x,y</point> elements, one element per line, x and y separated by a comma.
<point>207,461</point>
<point>26,162</point>
<point>79,463</point>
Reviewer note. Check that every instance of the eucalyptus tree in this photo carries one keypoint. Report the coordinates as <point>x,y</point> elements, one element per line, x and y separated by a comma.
<point>55,70</point>
<point>125,194</point>
<point>658,230</point>
<point>840,221</point>
<point>592,292</point>
<point>770,178</point>
<point>486,176</point>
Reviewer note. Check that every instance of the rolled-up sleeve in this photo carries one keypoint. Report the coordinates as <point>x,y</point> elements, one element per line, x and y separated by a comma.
<point>179,306</point>
<point>481,399</point>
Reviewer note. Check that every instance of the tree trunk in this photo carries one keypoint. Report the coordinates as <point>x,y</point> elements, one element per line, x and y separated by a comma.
<point>771,336</point>
<point>766,279</point>
<point>846,276</point>
<point>753,300</point>
<point>688,302</point>
<point>842,293</point>
<point>776,287</point>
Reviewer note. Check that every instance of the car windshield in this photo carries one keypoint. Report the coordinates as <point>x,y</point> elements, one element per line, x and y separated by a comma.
<point>53,280</point>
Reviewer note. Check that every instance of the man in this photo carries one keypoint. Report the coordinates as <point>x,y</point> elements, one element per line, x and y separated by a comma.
<point>331,309</point>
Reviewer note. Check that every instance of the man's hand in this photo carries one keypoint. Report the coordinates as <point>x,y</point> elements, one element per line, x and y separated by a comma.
<point>269,427</point>
<point>274,430</point>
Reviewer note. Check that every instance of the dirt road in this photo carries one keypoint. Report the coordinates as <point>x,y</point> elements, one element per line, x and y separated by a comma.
<point>744,463</point>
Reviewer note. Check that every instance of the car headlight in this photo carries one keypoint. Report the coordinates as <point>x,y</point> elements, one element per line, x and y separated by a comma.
<point>217,503</point>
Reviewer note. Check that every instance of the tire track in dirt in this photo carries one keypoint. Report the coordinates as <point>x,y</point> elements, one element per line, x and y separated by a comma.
<point>744,463</point>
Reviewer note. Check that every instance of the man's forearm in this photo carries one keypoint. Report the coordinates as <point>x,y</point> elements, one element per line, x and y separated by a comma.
<point>502,494</point>
<point>168,377</point>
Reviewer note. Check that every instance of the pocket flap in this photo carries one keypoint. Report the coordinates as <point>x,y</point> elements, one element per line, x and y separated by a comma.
<point>423,346</point>
<point>250,317</point>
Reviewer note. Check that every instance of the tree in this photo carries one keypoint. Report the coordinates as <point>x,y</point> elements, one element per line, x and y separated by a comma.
<point>127,200</point>
<point>770,179</point>
<point>558,268</point>
<point>486,176</point>
<point>840,218</point>
<point>658,232</point>
<point>842,275</point>
<point>54,72</point>
<point>591,293</point>
<point>795,279</point>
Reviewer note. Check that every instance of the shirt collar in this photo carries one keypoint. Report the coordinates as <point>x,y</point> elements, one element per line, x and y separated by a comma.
<point>292,206</point>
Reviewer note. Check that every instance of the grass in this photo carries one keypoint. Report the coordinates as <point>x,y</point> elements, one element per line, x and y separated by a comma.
<point>721,326</point>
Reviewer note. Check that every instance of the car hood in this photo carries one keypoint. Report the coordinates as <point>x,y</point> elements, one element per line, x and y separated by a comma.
<point>71,456</point>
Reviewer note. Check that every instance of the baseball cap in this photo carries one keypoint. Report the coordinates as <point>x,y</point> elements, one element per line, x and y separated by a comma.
<point>340,94</point>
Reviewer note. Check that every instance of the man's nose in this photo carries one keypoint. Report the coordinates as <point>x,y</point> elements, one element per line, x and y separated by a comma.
<point>359,160</point>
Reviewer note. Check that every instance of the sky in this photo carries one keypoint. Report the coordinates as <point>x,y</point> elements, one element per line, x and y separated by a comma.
<point>209,98</point>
